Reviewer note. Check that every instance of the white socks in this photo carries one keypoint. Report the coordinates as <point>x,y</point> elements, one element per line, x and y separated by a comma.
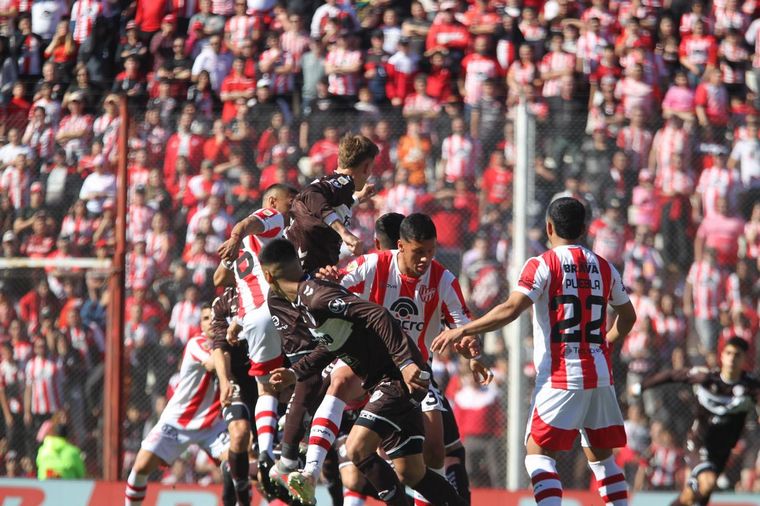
<point>613,488</point>
<point>324,430</point>
<point>266,422</point>
<point>547,489</point>
<point>136,487</point>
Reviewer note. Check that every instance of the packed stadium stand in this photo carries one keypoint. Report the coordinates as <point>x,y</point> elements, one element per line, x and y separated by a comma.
<point>646,110</point>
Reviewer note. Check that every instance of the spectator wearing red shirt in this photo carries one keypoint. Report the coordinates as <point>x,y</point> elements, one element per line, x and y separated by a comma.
<point>447,33</point>
<point>280,171</point>
<point>496,185</point>
<point>148,16</point>
<point>16,113</point>
<point>478,67</point>
<point>236,85</point>
<point>217,147</point>
<point>325,150</point>
<point>439,80</point>
<point>711,99</point>
<point>40,242</point>
<point>183,143</point>
<point>697,52</point>
<point>401,68</point>
<point>34,302</point>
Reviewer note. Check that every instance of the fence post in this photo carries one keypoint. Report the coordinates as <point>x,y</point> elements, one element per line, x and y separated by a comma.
<point>113,391</point>
<point>522,203</point>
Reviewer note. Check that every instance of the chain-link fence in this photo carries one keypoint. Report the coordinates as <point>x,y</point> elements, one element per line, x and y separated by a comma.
<point>223,104</point>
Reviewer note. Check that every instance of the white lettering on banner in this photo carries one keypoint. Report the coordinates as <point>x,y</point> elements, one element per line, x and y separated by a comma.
<point>24,492</point>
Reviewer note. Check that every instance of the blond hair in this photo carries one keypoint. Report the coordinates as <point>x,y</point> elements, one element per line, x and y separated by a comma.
<point>354,150</point>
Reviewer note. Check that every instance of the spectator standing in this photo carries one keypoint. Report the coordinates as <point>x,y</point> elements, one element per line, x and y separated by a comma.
<point>43,396</point>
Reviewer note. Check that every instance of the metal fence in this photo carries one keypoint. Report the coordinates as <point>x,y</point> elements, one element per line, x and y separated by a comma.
<point>197,164</point>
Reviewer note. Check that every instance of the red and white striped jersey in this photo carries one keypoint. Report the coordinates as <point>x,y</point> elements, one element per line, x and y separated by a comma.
<point>41,141</point>
<point>83,14</point>
<point>668,141</point>
<point>240,28</point>
<point>282,84</point>
<point>45,377</point>
<point>252,287</point>
<point>636,142</point>
<point>222,7</point>
<point>141,271</point>
<point>22,351</point>
<point>15,184</point>
<point>343,84</point>
<point>459,154</point>
<point>665,463</point>
<point>672,328</point>
<point>570,287</point>
<point>590,46</point>
<point>717,182</point>
<point>295,44</point>
<point>185,319</point>
<point>555,61</point>
<point>420,305</point>
<point>670,181</point>
<point>12,382</point>
<point>733,60</point>
<point>752,37</point>
<point>477,69</point>
<point>402,198</point>
<point>107,127</point>
<point>138,218</point>
<point>708,288</point>
<point>194,403</point>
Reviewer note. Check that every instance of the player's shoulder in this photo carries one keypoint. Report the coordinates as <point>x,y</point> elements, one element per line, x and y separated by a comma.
<point>266,213</point>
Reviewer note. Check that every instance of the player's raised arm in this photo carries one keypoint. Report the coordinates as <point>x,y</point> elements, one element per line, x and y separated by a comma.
<point>503,314</point>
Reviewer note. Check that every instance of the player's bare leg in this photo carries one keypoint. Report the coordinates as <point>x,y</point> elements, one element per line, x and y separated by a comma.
<point>697,493</point>
<point>145,463</point>
<point>433,449</point>
<point>613,489</point>
<point>355,486</point>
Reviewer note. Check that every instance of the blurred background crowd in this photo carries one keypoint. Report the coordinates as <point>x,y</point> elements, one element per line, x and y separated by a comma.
<point>647,110</point>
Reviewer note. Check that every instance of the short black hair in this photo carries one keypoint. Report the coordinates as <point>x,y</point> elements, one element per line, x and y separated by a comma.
<point>568,216</point>
<point>277,252</point>
<point>387,229</point>
<point>206,305</point>
<point>279,187</point>
<point>417,227</point>
<point>739,343</point>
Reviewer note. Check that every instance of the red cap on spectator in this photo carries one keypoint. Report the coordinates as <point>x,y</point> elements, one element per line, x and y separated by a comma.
<point>170,18</point>
<point>36,187</point>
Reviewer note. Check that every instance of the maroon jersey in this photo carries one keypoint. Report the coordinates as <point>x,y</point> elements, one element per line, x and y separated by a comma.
<point>362,334</point>
<point>314,209</point>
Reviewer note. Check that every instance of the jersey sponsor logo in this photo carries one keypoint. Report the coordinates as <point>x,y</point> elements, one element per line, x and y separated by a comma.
<point>337,306</point>
<point>427,293</point>
<point>278,323</point>
<point>169,431</point>
<point>587,268</point>
<point>405,311</point>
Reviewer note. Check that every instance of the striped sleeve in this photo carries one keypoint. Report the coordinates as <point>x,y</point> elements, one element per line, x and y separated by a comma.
<point>196,352</point>
<point>359,275</point>
<point>455,308</point>
<point>273,222</point>
<point>618,295</point>
<point>533,279</point>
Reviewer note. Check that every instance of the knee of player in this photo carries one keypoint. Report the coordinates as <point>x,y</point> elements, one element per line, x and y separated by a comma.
<point>343,384</point>
<point>707,482</point>
<point>356,450</point>
<point>145,462</point>
<point>239,432</point>
<point>351,477</point>
<point>410,474</point>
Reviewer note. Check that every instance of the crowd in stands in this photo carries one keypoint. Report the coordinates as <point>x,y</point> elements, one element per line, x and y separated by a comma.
<point>647,110</point>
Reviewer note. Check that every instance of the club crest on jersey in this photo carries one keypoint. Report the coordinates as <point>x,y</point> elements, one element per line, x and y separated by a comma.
<point>376,396</point>
<point>340,181</point>
<point>278,324</point>
<point>427,293</point>
<point>337,306</point>
<point>352,266</point>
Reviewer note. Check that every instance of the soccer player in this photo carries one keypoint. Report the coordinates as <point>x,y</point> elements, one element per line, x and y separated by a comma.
<point>725,397</point>
<point>420,293</point>
<point>192,415</point>
<point>571,288</point>
<point>320,214</point>
<point>367,338</point>
<point>253,324</point>
<point>322,211</point>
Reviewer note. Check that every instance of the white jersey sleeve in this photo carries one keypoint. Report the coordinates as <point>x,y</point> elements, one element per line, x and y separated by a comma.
<point>534,278</point>
<point>273,221</point>
<point>360,275</point>
<point>618,295</point>
<point>455,310</point>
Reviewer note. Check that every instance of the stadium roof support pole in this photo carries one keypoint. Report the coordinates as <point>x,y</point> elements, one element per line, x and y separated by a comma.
<point>113,391</point>
<point>522,201</point>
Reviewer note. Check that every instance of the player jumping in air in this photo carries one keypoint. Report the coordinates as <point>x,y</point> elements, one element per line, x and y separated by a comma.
<point>367,338</point>
<point>570,288</point>
<point>725,397</point>
<point>253,325</point>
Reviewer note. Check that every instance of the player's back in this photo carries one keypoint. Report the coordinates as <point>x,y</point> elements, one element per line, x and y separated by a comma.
<point>571,287</point>
<point>195,402</point>
<point>252,287</point>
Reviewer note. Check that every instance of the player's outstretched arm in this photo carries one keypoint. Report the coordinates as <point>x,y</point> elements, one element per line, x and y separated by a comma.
<point>692,376</point>
<point>503,314</point>
<point>626,317</point>
<point>223,275</point>
<point>230,248</point>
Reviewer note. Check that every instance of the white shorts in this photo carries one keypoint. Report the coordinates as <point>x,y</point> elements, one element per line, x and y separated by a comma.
<point>168,442</point>
<point>557,416</point>
<point>264,343</point>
